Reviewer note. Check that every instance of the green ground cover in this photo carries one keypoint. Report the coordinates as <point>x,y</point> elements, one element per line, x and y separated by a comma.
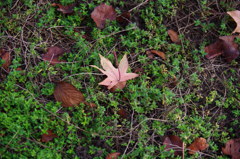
<point>185,95</point>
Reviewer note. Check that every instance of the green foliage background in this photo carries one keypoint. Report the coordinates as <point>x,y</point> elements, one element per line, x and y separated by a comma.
<point>204,103</point>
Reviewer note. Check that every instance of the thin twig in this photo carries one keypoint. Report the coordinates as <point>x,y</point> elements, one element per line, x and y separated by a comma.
<point>131,130</point>
<point>130,138</point>
<point>139,5</point>
<point>115,33</point>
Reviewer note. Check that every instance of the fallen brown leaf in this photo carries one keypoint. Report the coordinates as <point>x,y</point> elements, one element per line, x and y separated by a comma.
<point>173,82</point>
<point>232,148</point>
<point>68,95</point>
<point>236,16</point>
<point>4,55</point>
<point>48,137</point>
<point>19,69</point>
<point>199,144</point>
<point>123,113</point>
<point>225,46</point>
<point>65,9</point>
<point>102,13</point>
<point>139,70</point>
<point>124,18</point>
<point>113,155</point>
<point>53,54</point>
<point>92,105</point>
<point>173,142</point>
<point>174,36</point>
<point>158,53</point>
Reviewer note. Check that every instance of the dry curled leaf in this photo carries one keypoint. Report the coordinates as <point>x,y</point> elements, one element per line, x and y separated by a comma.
<point>65,9</point>
<point>91,105</point>
<point>158,53</point>
<point>173,142</point>
<point>102,13</point>
<point>116,77</point>
<point>199,144</point>
<point>174,36</point>
<point>124,18</point>
<point>173,82</point>
<point>48,137</point>
<point>236,16</point>
<point>232,148</point>
<point>113,155</point>
<point>53,54</point>
<point>225,46</point>
<point>123,113</point>
<point>68,95</point>
<point>4,55</point>
<point>139,70</point>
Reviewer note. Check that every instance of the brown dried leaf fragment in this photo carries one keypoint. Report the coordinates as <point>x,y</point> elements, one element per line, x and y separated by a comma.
<point>48,137</point>
<point>124,18</point>
<point>65,9</point>
<point>225,46</point>
<point>174,36</point>
<point>53,54</point>
<point>123,113</point>
<point>232,148</point>
<point>199,144</point>
<point>230,48</point>
<point>68,95</point>
<point>158,53</point>
<point>236,16</point>
<point>102,13</point>
<point>173,142</point>
<point>113,155</point>
<point>4,55</point>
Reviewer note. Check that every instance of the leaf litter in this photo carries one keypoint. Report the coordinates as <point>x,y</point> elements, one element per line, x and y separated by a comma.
<point>102,13</point>
<point>115,76</point>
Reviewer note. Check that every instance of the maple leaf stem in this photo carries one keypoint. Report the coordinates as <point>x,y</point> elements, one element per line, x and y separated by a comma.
<point>119,75</point>
<point>117,64</point>
<point>115,56</point>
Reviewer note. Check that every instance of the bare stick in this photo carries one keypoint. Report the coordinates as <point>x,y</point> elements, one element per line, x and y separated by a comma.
<point>139,5</point>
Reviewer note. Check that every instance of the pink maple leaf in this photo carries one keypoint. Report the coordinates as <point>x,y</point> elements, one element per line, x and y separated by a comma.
<point>115,75</point>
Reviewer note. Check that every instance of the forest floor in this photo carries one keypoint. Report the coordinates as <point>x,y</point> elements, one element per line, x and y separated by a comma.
<point>180,92</point>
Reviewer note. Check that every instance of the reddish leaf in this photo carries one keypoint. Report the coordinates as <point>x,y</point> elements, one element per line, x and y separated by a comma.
<point>124,18</point>
<point>139,70</point>
<point>113,155</point>
<point>102,13</point>
<point>158,53</point>
<point>53,54</point>
<point>123,113</point>
<point>49,136</point>
<point>65,9</point>
<point>236,16</point>
<point>19,69</point>
<point>230,48</point>
<point>68,95</point>
<point>4,55</point>
<point>199,144</point>
<point>173,142</point>
<point>92,105</point>
<point>232,148</point>
<point>116,77</point>
<point>214,50</point>
<point>173,36</point>
<point>226,46</point>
